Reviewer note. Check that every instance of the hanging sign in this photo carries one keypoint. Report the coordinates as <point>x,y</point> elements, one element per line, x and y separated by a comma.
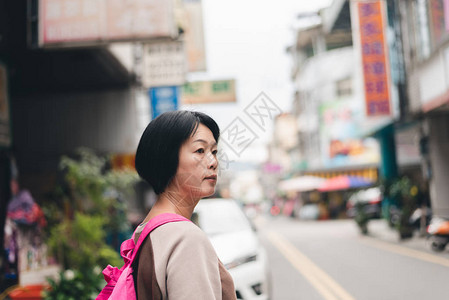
<point>375,63</point>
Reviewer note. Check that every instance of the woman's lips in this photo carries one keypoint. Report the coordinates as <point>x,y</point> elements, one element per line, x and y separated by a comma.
<point>211,178</point>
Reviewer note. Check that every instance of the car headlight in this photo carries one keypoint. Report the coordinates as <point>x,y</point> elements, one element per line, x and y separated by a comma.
<point>240,261</point>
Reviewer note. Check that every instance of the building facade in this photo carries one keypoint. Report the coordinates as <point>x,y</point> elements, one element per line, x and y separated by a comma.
<point>425,36</point>
<point>69,81</point>
<point>327,103</point>
<point>410,125</point>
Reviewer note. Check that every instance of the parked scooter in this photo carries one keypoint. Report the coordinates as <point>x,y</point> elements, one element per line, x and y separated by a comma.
<point>420,218</point>
<point>439,233</point>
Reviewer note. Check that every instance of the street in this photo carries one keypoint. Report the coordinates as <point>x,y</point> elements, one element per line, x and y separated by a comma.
<point>330,260</point>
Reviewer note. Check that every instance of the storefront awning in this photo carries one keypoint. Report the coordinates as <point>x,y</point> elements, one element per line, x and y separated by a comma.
<point>301,184</point>
<point>343,183</point>
<point>369,173</point>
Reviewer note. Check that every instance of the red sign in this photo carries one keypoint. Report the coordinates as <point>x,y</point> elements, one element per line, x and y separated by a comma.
<point>437,20</point>
<point>93,21</point>
<point>374,58</point>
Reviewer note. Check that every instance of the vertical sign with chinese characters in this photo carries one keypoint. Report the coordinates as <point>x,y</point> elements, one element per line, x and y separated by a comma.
<point>194,36</point>
<point>374,58</point>
<point>437,18</point>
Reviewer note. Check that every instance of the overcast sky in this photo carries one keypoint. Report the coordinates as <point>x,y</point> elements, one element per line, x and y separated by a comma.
<point>247,40</point>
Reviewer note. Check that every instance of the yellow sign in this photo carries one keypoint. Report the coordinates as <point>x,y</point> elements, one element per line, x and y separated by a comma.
<point>123,161</point>
<point>208,92</point>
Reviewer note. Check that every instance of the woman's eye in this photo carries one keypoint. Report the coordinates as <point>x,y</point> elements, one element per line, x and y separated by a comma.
<point>201,150</point>
<point>215,152</point>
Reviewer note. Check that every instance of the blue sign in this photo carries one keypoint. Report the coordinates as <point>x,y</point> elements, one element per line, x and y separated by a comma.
<point>163,99</point>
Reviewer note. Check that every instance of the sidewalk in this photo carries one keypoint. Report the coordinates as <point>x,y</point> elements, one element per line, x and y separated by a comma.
<point>379,229</point>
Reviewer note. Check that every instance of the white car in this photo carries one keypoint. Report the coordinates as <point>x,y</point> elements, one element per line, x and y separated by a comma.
<point>369,199</point>
<point>237,246</point>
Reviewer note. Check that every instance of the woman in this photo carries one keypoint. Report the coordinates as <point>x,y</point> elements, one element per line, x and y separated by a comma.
<point>177,156</point>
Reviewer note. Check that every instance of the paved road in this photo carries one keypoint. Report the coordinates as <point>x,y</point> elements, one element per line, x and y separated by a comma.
<point>330,260</point>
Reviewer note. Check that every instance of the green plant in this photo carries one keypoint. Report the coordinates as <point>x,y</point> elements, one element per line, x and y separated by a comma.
<point>88,178</point>
<point>95,189</point>
<point>80,243</point>
<point>84,212</point>
<point>403,193</point>
<point>361,218</point>
<point>85,180</point>
<point>75,285</point>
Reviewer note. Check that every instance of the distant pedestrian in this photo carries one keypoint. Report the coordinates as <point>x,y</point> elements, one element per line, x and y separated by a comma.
<point>23,244</point>
<point>177,156</point>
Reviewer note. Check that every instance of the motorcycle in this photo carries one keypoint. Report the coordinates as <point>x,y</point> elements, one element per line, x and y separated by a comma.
<point>420,218</point>
<point>438,230</point>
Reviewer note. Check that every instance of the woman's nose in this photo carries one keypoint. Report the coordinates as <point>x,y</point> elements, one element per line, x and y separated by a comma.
<point>212,161</point>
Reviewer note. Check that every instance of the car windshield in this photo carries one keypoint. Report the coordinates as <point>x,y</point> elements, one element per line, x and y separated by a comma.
<point>219,217</point>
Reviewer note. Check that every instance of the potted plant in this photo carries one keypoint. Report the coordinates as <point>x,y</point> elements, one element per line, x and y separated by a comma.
<point>87,209</point>
<point>361,218</point>
<point>404,192</point>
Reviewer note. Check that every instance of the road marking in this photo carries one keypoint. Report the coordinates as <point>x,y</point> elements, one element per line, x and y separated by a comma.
<point>320,280</point>
<point>406,251</point>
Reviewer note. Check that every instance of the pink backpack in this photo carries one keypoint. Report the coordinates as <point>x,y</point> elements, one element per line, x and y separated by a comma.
<point>120,282</point>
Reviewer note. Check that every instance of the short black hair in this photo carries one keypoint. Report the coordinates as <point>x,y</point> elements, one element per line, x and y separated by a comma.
<point>157,156</point>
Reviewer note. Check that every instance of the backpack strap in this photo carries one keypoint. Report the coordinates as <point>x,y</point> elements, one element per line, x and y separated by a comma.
<point>153,224</point>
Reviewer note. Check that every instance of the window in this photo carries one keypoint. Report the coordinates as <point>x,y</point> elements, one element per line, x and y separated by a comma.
<point>422,30</point>
<point>344,87</point>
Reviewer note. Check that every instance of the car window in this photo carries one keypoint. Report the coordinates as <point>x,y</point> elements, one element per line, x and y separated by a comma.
<point>218,217</point>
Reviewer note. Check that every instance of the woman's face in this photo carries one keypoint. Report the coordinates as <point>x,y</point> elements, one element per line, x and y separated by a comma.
<point>196,175</point>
